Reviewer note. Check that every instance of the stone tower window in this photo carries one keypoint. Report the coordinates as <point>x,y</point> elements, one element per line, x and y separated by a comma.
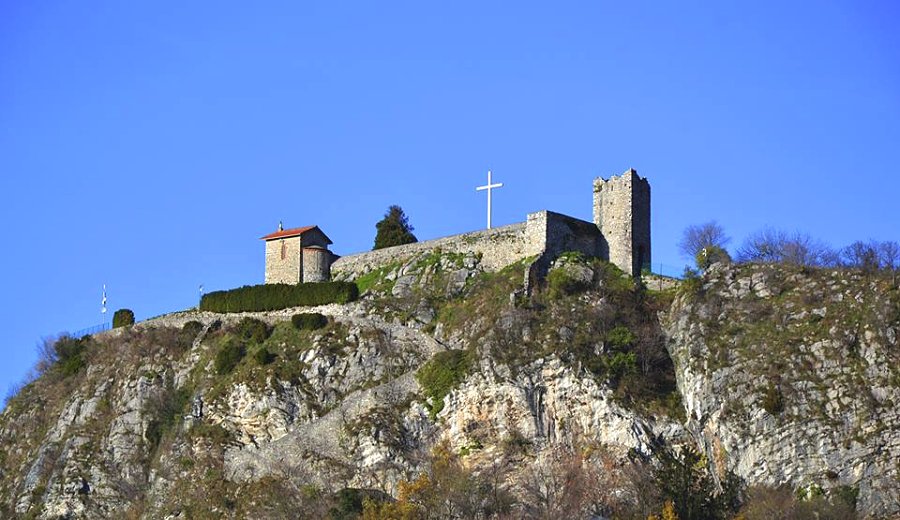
<point>283,250</point>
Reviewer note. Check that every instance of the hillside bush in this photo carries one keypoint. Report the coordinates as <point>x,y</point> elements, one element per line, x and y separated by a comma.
<point>309,321</point>
<point>441,374</point>
<point>252,330</point>
<point>229,355</point>
<point>69,354</point>
<point>270,297</point>
<point>262,356</point>
<point>620,365</point>
<point>192,328</point>
<point>123,318</point>
<point>711,255</point>
<point>165,409</point>
<point>620,337</point>
<point>561,283</point>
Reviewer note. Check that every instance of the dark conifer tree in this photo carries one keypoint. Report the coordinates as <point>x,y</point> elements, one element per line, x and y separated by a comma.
<point>394,229</point>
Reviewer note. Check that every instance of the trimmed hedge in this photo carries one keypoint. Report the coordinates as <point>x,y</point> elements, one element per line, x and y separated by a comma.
<point>123,318</point>
<point>275,296</point>
<point>309,321</point>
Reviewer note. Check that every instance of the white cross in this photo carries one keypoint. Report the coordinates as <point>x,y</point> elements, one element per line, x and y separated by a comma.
<point>488,187</point>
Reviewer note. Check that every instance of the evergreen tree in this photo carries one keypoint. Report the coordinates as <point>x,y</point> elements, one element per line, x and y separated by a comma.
<point>393,229</point>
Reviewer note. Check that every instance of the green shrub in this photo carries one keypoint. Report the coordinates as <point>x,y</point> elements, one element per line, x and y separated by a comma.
<point>620,337</point>
<point>252,330</point>
<point>123,318</point>
<point>309,321</point>
<point>229,355</point>
<point>69,353</point>
<point>216,434</point>
<point>262,356</point>
<point>166,410</point>
<point>186,336</point>
<point>560,282</point>
<point>192,328</point>
<point>711,255</point>
<point>691,282</point>
<point>270,297</point>
<point>441,374</point>
<point>621,364</point>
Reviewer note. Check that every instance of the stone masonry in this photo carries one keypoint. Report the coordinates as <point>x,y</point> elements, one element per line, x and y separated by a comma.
<point>283,260</point>
<point>619,233</point>
<point>297,255</point>
<point>544,232</point>
<point>622,212</point>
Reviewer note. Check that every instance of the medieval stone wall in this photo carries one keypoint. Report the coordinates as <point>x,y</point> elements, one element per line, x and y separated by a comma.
<point>622,213</point>
<point>283,260</point>
<point>498,247</point>
<point>620,233</point>
<point>316,264</point>
<point>543,233</point>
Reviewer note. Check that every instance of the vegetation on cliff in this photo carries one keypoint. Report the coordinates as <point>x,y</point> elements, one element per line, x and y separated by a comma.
<point>450,392</point>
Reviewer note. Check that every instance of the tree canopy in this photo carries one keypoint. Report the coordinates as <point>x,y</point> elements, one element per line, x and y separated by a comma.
<point>394,229</point>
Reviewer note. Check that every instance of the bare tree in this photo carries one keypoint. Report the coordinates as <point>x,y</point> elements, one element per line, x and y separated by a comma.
<point>696,238</point>
<point>862,255</point>
<point>771,245</point>
<point>569,486</point>
<point>46,353</point>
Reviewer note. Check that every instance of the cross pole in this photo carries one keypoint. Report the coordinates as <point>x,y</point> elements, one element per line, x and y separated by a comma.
<point>488,187</point>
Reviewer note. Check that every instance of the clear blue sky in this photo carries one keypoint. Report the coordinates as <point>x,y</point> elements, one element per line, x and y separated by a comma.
<point>149,145</point>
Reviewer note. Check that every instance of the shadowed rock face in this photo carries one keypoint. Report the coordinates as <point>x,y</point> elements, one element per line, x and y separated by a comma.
<point>785,376</point>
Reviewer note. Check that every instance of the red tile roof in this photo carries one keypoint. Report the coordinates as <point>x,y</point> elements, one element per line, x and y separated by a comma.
<point>285,233</point>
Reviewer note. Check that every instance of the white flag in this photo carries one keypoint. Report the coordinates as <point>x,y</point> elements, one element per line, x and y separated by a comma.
<point>103,303</point>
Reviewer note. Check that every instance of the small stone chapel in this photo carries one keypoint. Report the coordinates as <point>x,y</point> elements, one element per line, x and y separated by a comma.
<point>298,255</point>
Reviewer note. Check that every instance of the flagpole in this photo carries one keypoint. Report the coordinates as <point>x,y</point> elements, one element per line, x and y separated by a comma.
<point>103,305</point>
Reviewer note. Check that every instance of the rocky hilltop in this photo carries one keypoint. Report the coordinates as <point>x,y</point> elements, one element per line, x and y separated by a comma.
<point>446,377</point>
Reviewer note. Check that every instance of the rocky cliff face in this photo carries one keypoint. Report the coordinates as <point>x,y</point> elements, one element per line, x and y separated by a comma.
<point>793,376</point>
<point>782,377</point>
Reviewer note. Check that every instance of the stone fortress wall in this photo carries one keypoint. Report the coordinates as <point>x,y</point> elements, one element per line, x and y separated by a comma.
<point>499,247</point>
<point>619,233</point>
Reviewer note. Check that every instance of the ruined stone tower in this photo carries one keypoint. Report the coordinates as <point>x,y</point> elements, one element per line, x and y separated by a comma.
<point>622,212</point>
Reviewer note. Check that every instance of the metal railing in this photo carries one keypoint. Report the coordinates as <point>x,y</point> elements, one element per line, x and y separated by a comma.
<point>96,329</point>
